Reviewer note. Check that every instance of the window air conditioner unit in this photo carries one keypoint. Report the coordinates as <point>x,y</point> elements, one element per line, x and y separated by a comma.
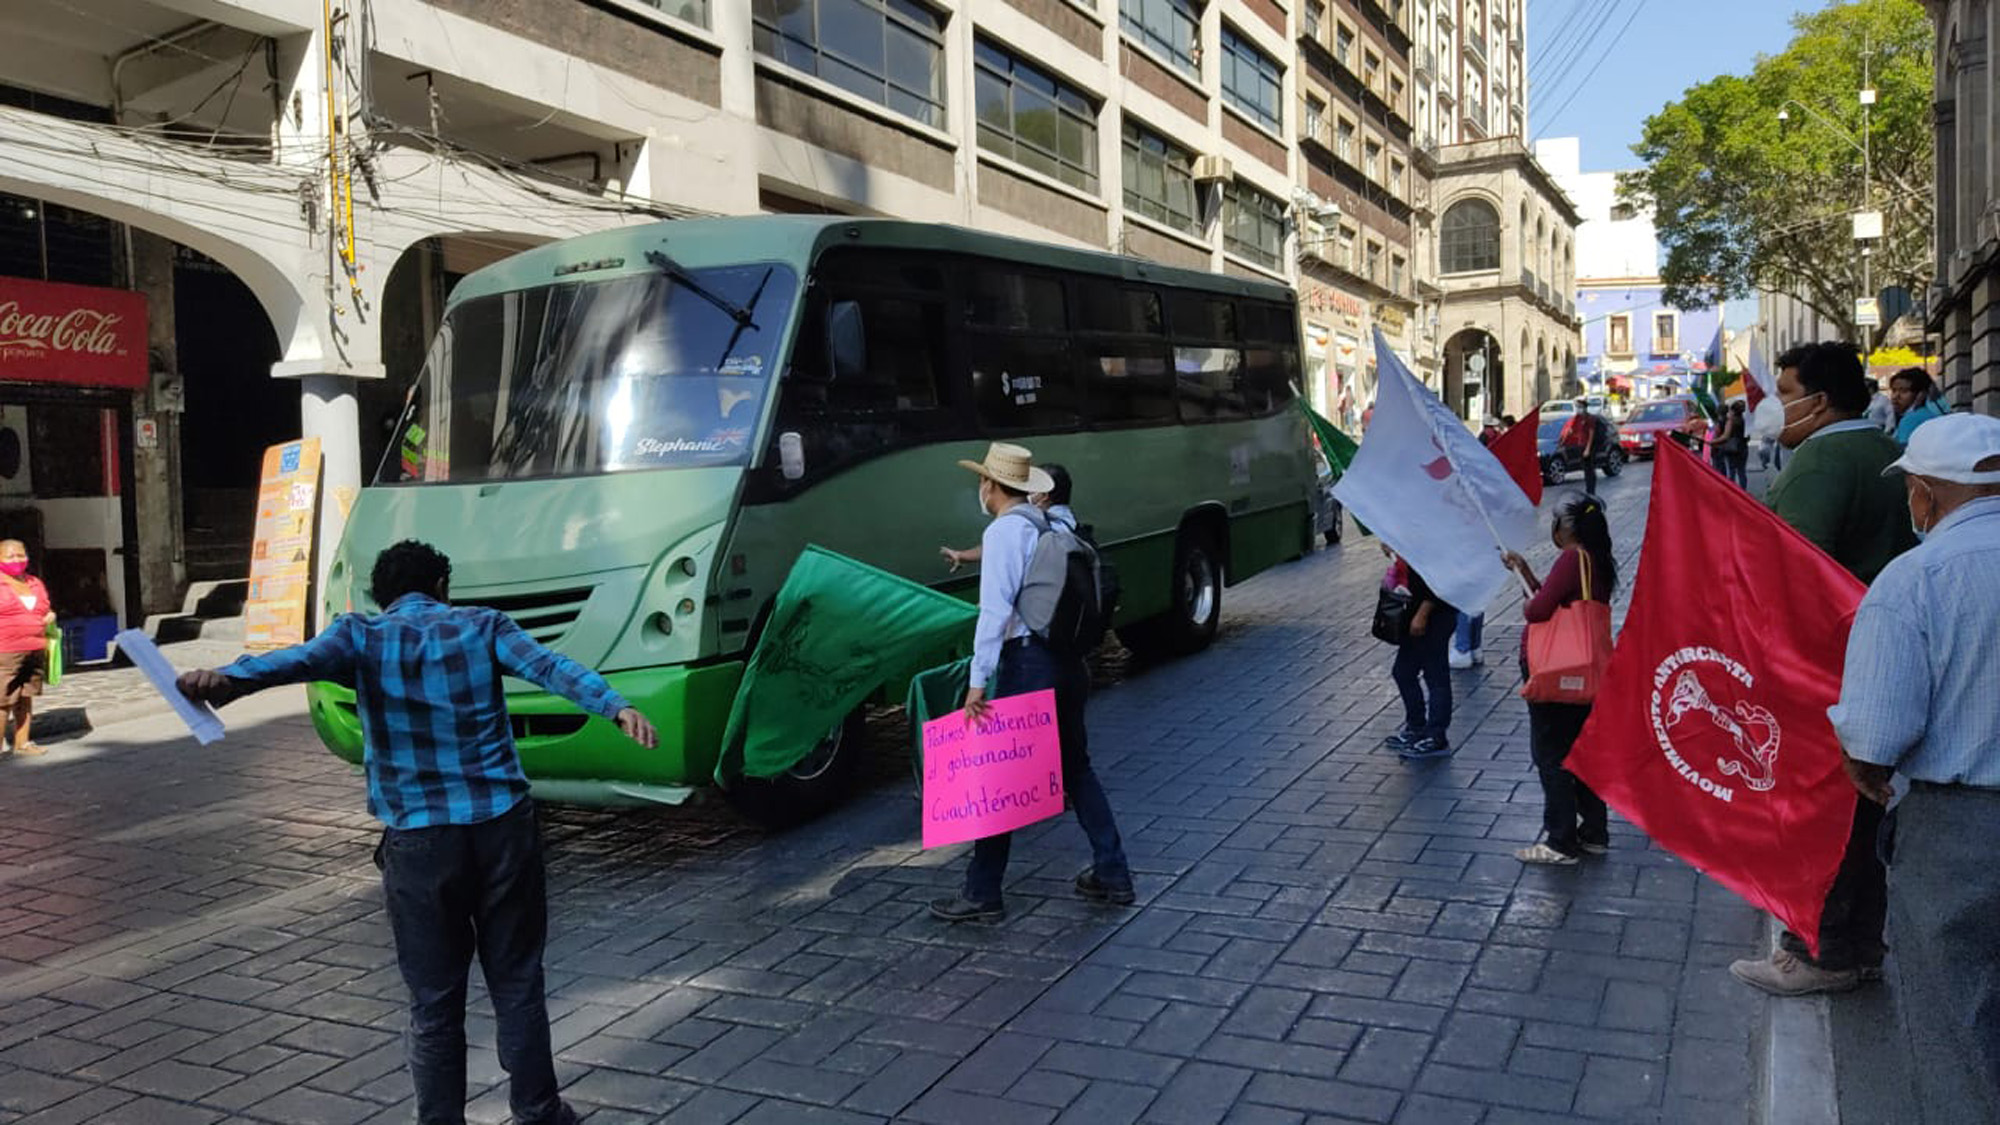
<point>1212,169</point>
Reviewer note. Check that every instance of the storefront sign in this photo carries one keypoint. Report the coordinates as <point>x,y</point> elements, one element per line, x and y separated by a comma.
<point>1324,299</point>
<point>281,555</point>
<point>75,334</point>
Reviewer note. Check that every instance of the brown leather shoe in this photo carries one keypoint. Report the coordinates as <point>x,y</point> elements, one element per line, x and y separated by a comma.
<point>1784,974</point>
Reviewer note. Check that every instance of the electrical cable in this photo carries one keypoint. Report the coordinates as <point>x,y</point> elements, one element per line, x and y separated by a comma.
<point>1584,82</point>
<point>1556,75</point>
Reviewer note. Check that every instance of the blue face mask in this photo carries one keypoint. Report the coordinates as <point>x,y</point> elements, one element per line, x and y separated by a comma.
<point>1923,533</point>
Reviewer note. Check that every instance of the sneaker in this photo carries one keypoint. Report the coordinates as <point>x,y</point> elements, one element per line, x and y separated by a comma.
<point>1478,656</point>
<point>1592,847</point>
<point>1460,660</point>
<point>1097,890</point>
<point>1426,748</point>
<point>1783,974</point>
<point>958,908</point>
<point>1401,741</point>
<point>1544,854</point>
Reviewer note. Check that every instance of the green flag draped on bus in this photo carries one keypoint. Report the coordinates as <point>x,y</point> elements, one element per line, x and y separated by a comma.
<point>838,630</point>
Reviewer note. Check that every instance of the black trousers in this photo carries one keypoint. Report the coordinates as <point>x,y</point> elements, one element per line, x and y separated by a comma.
<point>458,890</point>
<point>1572,815</point>
<point>1857,908</point>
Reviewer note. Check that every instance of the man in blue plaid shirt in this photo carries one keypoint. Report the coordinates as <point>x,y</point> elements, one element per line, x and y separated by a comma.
<point>461,855</point>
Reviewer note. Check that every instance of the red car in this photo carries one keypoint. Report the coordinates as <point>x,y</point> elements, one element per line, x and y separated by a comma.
<point>1654,421</point>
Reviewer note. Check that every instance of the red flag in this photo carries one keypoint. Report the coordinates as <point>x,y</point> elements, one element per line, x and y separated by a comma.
<point>1519,451</point>
<point>1710,730</point>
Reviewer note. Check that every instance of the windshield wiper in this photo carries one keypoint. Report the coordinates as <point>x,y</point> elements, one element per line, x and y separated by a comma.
<point>741,315</point>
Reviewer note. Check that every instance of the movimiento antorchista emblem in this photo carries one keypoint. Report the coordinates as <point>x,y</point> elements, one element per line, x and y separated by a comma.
<point>1707,725</point>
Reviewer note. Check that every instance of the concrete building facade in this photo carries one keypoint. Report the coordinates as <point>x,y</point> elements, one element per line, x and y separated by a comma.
<point>1506,259</point>
<point>313,179</point>
<point>1362,202</point>
<point>1964,302</point>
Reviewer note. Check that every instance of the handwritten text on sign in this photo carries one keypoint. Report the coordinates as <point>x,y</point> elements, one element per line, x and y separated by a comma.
<point>1002,773</point>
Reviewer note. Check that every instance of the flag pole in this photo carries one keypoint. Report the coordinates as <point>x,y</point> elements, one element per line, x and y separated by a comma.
<point>1458,474</point>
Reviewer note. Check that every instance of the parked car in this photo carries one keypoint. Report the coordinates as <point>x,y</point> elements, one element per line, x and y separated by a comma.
<point>1327,511</point>
<point>1559,461</point>
<point>1663,419</point>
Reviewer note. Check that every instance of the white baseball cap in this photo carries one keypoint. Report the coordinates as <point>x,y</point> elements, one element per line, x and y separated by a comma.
<point>1951,448</point>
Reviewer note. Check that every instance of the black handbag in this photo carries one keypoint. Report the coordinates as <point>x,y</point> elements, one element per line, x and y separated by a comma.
<point>1392,617</point>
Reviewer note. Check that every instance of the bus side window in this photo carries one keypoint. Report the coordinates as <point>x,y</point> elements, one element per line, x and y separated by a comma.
<point>1127,370</point>
<point>1211,384</point>
<point>865,379</point>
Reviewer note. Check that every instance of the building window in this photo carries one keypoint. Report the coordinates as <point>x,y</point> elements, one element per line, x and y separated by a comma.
<point>888,51</point>
<point>1251,80</point>
<point>693,11</point>
<point>1375,262</point>
<point>1315,116</point>
<point>1623,212</point>
<point>1396,267</point>
<point>1172,28</point>
<point>1469,240</point>
<point>1396,176</point>
<point>1395,94</point>
<point>1343,140</point>
<point>1618,334</point>
<point>1371,69</point>
<point>1253,224</point>
<point>1371,161</point>
<point>1314,12</point>
<point>1159,180</point>
<point>1343,45</point>
<point>1029,117</point>
<point>1666,333</point>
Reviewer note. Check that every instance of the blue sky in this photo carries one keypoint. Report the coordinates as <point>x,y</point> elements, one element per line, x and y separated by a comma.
<point>1669,46</point>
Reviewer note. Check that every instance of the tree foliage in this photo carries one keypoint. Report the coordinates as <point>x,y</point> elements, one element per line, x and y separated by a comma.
<point>1745,202</point>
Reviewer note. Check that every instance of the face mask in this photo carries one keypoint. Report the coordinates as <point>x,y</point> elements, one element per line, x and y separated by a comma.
<point>1923,533</point>
<point>14,569</point>
<point>979,498</point>
<point>1788,410</point>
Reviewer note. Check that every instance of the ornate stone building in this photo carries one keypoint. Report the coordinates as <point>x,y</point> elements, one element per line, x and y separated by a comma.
<point>1964,305</point>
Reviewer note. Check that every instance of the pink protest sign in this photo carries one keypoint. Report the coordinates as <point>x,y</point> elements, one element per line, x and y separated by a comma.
<point>1002,773</point>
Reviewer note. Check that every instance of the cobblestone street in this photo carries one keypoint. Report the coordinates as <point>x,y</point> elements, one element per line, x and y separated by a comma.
<point>1323,932</point>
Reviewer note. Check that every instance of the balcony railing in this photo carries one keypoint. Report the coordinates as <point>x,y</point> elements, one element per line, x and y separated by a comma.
<point>1426,63</point>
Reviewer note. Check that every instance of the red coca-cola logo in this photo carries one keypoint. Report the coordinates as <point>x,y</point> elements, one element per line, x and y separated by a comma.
<point>79,334</point>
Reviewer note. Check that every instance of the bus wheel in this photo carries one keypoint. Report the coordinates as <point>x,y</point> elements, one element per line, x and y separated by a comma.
<point>1190,622</point>
<point>817,783</point>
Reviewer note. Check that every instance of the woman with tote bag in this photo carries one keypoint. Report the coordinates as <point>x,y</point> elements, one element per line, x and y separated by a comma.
<point>1572,601</point>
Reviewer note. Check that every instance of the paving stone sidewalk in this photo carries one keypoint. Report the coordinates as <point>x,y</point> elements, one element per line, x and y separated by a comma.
<point>1324,933</point>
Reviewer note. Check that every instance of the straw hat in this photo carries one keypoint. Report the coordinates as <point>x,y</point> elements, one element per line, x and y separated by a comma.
<point>1012,466</point>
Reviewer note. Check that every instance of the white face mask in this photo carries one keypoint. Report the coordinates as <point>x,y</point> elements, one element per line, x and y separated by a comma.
<point>979,498</point>
<point>1787,407</point>
<point>1923,533</point>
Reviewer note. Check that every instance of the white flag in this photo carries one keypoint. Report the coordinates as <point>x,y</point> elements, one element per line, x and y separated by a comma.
<point>1767,416</point>
<point>1434,494</point>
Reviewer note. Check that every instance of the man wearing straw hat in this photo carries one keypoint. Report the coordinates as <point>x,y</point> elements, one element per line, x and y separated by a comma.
<point>1014,661</point>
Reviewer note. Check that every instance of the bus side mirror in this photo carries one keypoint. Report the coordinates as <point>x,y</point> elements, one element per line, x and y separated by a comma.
<point>791,455</point>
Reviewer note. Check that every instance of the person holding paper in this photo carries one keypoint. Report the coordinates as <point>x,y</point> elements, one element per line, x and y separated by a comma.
<point>25,617</point>
<point>461,853</point>
<point>1015,661</point>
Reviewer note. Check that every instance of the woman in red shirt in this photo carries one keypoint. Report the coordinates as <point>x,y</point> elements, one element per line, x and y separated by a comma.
<point>25,617</point>
<point>1574,819</point>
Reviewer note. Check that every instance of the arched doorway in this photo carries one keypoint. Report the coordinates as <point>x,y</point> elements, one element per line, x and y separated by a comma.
<point>1474,374</point>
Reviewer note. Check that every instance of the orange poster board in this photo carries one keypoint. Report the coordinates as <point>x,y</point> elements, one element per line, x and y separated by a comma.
<point>280,598</point>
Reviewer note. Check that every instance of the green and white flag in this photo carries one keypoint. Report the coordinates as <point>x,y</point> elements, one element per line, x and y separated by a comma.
<point>839,630</point>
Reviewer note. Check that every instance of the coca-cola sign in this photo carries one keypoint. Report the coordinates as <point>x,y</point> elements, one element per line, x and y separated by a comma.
<point>77,334</point>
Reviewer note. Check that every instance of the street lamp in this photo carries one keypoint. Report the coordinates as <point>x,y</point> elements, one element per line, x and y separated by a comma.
<point>1867,221</point>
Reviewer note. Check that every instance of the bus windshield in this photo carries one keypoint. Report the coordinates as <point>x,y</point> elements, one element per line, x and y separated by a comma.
<point>576,378</point>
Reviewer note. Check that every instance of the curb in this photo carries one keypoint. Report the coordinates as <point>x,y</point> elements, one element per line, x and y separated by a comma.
<point>1799,1086</point>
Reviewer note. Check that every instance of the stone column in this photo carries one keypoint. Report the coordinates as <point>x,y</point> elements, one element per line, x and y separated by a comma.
<point>160,553</point>
<point>328,412</point>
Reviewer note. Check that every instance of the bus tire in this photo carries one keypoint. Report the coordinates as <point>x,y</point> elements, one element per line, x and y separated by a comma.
<point>1196,610</point>
<point>816,784</point>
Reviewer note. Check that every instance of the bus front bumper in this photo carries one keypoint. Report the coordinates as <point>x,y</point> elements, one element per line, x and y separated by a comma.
<point>581,759</point>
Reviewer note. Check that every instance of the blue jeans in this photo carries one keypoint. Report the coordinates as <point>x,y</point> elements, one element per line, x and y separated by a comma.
<point>1031,666</point>
<point>1471,630</point>
<point>1424,663</point>
<point>453,891</point>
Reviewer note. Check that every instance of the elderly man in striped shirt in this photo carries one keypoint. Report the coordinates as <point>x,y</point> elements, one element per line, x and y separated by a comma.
<point>1918,699</point>
<point>461,855</point>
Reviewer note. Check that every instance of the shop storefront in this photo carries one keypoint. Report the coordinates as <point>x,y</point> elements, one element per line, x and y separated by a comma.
<point>71,357</point>
<point>1336,325</point>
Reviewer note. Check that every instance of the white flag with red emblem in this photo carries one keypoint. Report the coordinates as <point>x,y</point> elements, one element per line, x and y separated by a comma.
<point>1434,494</point>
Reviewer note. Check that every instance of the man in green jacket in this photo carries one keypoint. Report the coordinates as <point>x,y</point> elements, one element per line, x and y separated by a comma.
<point>1833,492</point>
